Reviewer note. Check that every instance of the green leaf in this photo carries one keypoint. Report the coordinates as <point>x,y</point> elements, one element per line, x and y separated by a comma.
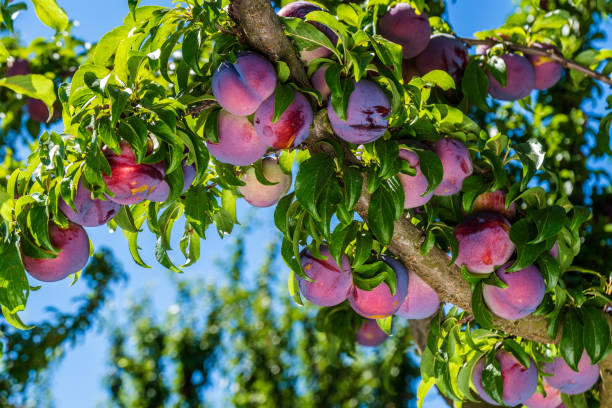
<point>385,324</point>
<point>492,380</point>
<point>596,334</point>
<point>465,377</point>
<point>51,14</point>
<point>314,173</point>
<point>125,219</point>
<point>571,344</point>
<point>281,214</point>
<point>108,44</point>
<point>306,35</point>
<point>475,85</point>
<point>381,214</point>
<point>32,85</point>
<point>549,222</point>
<point>353,183</point>
<point>440,78</point>
<point>283,97</point>
<point>481,313</point>
<point>531,155</point>
<point>550,270</point>
<point>132,5</point>
<point>294,291</point>
<point>14,286</point>
<point>369,276</point>
<point>14,320</point>
<point>496,66</point>
<point>431,167</point>
<point>517,351</point>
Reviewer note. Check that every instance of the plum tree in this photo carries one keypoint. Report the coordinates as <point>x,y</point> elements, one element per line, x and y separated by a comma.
<point>520,79</point>
<point>494,201</point>
<point>90,212</point>
<point>519,382</point>
<point>414,186</point>
<point>370,335</point>
<point>456,163</point>
<point>290,129</point>
<point>73,246</point>
<point>240,88</point>
<point>523,295</point>
<point>404,26</point>
<point>330,283</point>
<point>568,381</point>
<point>379,302</point>
<point>444,52</point>
<point>484,242</point>
<point>367,115</point>
<point>421,300</point>
<point>238,142</point>
<point>551,400</point>
<point>547,72</point>
<point>262,195</point>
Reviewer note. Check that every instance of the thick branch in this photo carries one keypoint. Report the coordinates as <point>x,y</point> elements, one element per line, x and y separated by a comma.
<point>565,63</point>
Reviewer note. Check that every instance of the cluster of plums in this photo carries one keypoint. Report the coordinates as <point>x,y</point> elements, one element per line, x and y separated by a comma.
<point>520,383</point>
<point>332,284</point>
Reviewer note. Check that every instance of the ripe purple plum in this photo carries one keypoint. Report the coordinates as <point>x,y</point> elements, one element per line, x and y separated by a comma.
<point>38,111</point>
<point>519,382</point>
<point>160,193</point>
<point>402,25</point>
<point>319,83</point>
<point>569,381</point>
<point>240,88</point>
<point>421,300</point>
<point>73,246</point>
<point>456,163</point>
<point>17,66</point>
<point>299,9</point>
<point>129,181</point>
<point>90,212</point>
<point>484,242</point>
<point>379,302</point>
<point>445,53</point>
<point>367,114</point>
<point>291,129</point>
<point>414,186</point>
<point>523,295</point>
<point>551,400</point>
<point>331,283</point>
<point>238,142</point>
<point>520,79</point>
<point>547,71</point>
<point>494,201</point>
<point>261,195</point>
<point>370,335</point>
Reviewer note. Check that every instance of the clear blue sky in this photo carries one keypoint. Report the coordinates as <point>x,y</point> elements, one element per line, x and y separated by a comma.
<point>77,380</point>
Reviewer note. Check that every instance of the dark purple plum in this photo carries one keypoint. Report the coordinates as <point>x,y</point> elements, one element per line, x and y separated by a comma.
<point>370,335</point>
<point>319,83</point>
<point>520,79</point>
<point>569,381</point>
<point>445,53</point>
<point>331,284</point>
<point>402,25</point>
<point>547,71</point>
<point>90,212</point>
<point>17,66</point>
<point>421,300</point>
<point>456,163</point>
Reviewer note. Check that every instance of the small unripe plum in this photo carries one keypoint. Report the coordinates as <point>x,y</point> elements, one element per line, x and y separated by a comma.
<point>414,186</point>
<point>520,79</point>
<point>73,246</point>
<point>547,71</point>
<point>319,83</point>
<point>240,88</point>
<point>484,242</point>
<point>370,335</point>
<point>445,53</point>
<point>38,111</point>
<point>519,382</point>
<point>421,300</point>
<point>456,163</point>
<point>379,302</point>
<point>300,9</point>
<point>494,201</point>
<point>551,400</point>
<point>569,381</point>
<point>90,212</point>
<point>291,129</point>
<point>261,195</point>
<point>238,142</point>
<point>402,25</point>
<point>129,181</point>
<point>17,66</point>
<point>331,284</point>
<point>523,295</point>
<point>367,114</point>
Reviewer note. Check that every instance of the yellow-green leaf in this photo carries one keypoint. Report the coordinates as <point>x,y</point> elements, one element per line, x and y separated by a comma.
<point>51,14</point>
<point>32,85</point>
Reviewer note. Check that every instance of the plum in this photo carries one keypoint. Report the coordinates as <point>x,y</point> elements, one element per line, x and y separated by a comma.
<point>129,181</point>
<point>445,53</point>
<point>240,88</point>
<point>299,9</point>
<point>73,246</point>
<point>568,381</point>
<point>319,83</point>
<point>547,71</point>
<point>379,302</point>
<point>494,201</point>
<point>161,192</point>
<point>38,111</point>
<point>484,242</point>
<point>414,186</point>
<point>370,335</point>
<point>90,212</point>
<point>520,79</point>
<point>456,163</point>
<point>421,300</point>
<point>238,142</point>
<point>523,295</point>
<point>409,70</point>
<point>291,129</point>
<point>17,66</point>
<point>331,283</point>
<point>402,25</point>
<point>367,115</point>
<point>519,382</point>
<point>261,195</point>
<point>551,400</point>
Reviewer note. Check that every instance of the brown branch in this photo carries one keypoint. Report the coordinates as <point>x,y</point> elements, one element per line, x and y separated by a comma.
<point>565,63</point>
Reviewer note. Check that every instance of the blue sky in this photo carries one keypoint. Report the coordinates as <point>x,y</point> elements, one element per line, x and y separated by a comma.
<point>77,379</point>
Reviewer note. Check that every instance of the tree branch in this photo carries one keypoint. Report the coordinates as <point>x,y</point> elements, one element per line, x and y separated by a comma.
<point>565,63</point>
